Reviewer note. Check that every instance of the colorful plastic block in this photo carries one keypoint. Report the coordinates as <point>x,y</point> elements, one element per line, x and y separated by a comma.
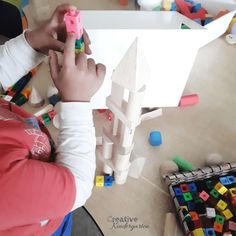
<point>221,205</point>
<point>224,180</point>
<point>211,212</point>
<point>155,138</point>
<point>189,100</point>
<point>54,99</point>
<point>232,225</point>
<point>108,180</point>
<point>191,206</point>
<point>220,219</point>
<point>209,232</point>
<point>184,188</point>
<point>231,179</point>
<point>173,6</point>
<point>232,192</point>
<point>184,209</point>
<point>73,23</point>
<point>214,193</point>
<point>166,5</point>
<point>51,114</point>
<point>99,181</point>
<point>218,227</point>
<point>221,188</point>
<point>187,197</point>
<point>192,187</point>
<point>209,184</point>
<point>198,232</point>
<point>178,191</point>
<point>227,214</point>
<point>79,43</point>
<point>194,215</point>
<point>196,7</point>
<point>181,200</point>
<point>183,164</point>
<point>204,195</point>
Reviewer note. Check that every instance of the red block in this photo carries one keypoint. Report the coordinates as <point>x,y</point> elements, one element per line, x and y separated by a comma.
<point>184,188</point>
<point>232,225</point>
<point>184,9</point>
<point>188,100</point>
<point>51,114</point>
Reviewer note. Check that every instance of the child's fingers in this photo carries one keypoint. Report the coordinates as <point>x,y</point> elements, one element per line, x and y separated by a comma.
<point>69,51</point>
<point>101,71</point>
<point>91,65</point>
<point>81,61</point>
<point>86,37</point>
<point>54,65</point>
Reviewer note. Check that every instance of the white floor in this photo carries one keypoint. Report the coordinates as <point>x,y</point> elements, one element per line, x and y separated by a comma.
<point>191,132</point>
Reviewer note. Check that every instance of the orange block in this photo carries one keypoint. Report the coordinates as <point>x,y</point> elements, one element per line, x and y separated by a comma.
<point>218,227</point>
<point>194,215</point>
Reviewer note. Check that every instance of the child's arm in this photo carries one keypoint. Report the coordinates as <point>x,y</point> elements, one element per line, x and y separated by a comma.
<point>77,81</point>
<point>19,55</point>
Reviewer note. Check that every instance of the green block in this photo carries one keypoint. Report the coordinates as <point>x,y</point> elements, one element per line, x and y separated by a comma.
<point>45,116</point>
<point>198,200</point>
<point>209,184</point>
<point>47,121</point>
<point>220,219</point>
<point>79,43</point>
<point>183,164</point>
<point>157,8</point>
<point>214,193</point>
<point>183,26</point>
<point>187,197</point>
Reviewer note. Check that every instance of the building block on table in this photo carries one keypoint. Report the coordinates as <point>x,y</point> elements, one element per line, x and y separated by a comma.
<point>209,232</point>
<point>187,196</point>
<point>221,205</point>
<point>184,188</point>
<point>198,232</point>
<point>211,212</point>
<point>227,214</point>
<point>183,164</point>
<point>204,195</point>
<point>178,191</point>
<point>232,225</point>
<point>220,188</point>
<point>108,179</point>
<point>224,181</point>
<point>155,138</point>
<point>189,100</point>
<point>166,5</point>
<point>99,181</point>
<point>191,206</point>
<point>173,6</point>
<point>181,200</point>
<point>209,184</point>
<point>231,179</point>
<point>218,227</point>
<point>51,114</point>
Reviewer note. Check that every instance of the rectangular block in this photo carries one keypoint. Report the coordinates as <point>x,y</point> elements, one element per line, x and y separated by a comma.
<point>231,179</point>
<point>214,193</point>
<point>209,232</point>
<point>204,195</point>
<point>178,191</point>
<point>194,215</point>
<point>221,205</point>
<point>184,188</point>
<point>221,188</point>
<point>192,187</point>
<point>224,180</point>
<point>188,100</point>
<point>218,227</point>
<point>108,180</point>
<point>232,225</point>
<point>191,206</point>
<point>211,212</point>
<point>232,192</point>
<point>99,181</point>
<point>187,196</point>
<point>198,232</point>
<point>220,219</point>
<point>227,214</point>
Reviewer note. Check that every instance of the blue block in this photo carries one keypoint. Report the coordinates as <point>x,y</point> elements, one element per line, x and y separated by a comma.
<point>173,6</point>
<point>192,187</point>
<point>181,201</point>
<point>224,180</point>
<point>108,180</point>
<point>155,138</point>
<point>209,232</point>
<point>196,7</point>
<point>178,191</point>
<point>54,99</point>
<point>231,179</point>
<point>208,20</point>
<point>191,206</point>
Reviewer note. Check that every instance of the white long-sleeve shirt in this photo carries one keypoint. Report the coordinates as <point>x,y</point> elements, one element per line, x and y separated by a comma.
<point>76,142</point>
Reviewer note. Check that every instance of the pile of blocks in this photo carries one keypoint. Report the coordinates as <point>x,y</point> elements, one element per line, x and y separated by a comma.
<point>104,181</point>
<point>47,117</point>
<point>208,208</point>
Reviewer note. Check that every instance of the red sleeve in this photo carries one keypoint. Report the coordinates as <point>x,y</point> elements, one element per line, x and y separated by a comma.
<point>31,190</point>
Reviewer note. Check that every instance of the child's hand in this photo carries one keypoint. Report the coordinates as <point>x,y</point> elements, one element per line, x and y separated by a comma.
<point>52,34</point>
<point>79,78</point>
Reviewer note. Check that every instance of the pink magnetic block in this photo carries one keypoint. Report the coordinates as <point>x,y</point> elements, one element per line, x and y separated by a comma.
<point>204,195</point>
<point>232,225</point>
<point>188,100</point>
<point>233,30</point>
<point>73,23</point>
<point>184,9</point>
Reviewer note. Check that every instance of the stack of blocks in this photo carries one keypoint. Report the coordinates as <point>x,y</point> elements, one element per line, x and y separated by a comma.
<point>47,117</point>
<point>207,207</point>
<point>104,181</point>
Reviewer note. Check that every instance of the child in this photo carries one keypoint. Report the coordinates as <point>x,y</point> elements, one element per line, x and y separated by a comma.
<point>36,194</point>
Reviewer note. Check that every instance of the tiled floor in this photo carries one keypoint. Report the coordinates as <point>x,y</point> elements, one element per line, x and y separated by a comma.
<point>191,132</point>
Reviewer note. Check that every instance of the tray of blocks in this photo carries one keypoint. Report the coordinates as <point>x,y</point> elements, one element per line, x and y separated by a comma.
<point>205,200</point>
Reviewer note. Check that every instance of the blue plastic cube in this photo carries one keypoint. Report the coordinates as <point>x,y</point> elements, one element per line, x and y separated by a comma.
<point>231,179</point>
<point>209,232</point>
<point>192,187</point>
<point>155,138</point>
<point>178,191</point>
<point>224,180</point>
<point>108,180</point>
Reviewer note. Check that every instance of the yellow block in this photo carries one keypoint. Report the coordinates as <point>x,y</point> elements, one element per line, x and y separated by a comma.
<point>221,188</point>
<point>166,5</point>
<point>198,232</point>
<point>232,192</point>
<point>227,214</point>
<point>221,205</point>
<point>99,181</point>
<point>77,50</point>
